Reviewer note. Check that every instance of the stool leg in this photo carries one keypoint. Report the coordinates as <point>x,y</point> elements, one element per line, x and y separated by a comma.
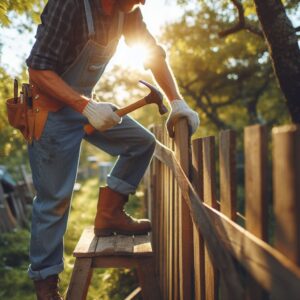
<point>80,280</point>
<point>148,279</point>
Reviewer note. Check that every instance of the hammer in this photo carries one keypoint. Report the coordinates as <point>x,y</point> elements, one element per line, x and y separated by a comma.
<point>155,96</point>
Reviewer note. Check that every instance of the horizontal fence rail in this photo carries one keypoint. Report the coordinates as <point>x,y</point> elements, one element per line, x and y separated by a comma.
<point>202,251</point>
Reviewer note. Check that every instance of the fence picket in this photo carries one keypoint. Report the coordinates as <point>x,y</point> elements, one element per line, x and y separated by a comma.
<point>255,143</point>
<point>182,150</point>
<point>199,263</point>
<point>228,173</point>
<point>182,250</point>
<point>227,185</point>
<point>286,180</point>
<point>209,193</point>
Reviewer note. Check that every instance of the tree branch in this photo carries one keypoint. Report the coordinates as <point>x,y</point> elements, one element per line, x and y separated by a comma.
<point>241,25</point>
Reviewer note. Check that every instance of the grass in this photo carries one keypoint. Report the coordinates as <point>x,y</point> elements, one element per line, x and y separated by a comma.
<point>114,284</point>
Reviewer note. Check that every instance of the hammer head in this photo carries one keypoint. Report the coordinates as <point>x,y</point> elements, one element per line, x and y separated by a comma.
<point>155,96</point>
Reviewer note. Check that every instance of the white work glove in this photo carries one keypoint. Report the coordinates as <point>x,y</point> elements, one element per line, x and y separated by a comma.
<point>101,115</point>
<point>180,109</point>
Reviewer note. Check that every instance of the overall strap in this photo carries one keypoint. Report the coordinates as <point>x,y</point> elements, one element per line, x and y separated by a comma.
<point>89,18</point>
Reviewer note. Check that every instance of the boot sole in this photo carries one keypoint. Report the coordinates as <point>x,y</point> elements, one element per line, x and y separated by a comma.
<point>110,232</point>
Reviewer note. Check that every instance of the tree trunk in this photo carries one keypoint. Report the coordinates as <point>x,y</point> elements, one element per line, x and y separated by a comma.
<point>284,50</point>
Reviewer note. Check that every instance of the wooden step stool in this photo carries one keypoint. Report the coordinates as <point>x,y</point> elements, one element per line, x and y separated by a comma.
<point>118,251</point>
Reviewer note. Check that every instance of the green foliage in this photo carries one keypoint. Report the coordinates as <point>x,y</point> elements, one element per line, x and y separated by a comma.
<point>13,146</point>
<point>230,81</point>
<point>30,8</point>
<point>14,282</point>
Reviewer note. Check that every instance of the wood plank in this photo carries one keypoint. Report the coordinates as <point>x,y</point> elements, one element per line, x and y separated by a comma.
<point>134,293</point>
<point>228,173</point>
<point>183,153</point>
<point>209,194</point>
<point>124,244</point>
<point>148,280</point>
<point>113,261</point>
<point>175,235</point>
<point>199,262</point>
<point>169,226</point>
<point>201,219</point>
<point>171,231</point>
<point>255,180</point>
<point>227,150</point>
<point>156,205</point>
<point>80,280</point>
<point>87,244</point>
<point>286,178</point>
<point>268,266</point>
<point>256,155</point>
<point>105,245</point>
<point>142,245</point>
<point>165,227</point>
<point>160,211</point>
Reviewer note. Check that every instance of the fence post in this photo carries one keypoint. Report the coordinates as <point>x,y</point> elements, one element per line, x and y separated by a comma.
<point>182,150</point>
<point>156,205</point>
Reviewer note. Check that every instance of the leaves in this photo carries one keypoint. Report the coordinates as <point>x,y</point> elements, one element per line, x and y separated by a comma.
<point>230,80</point>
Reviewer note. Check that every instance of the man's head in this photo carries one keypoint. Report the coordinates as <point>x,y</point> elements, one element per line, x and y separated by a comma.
<point>128,6</point>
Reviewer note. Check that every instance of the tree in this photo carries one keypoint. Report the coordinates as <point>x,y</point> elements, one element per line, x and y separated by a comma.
<point>279,34</point>
<point>230,81</point>
<point>283,46</point>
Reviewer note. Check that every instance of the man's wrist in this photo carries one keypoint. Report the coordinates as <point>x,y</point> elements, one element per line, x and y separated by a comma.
<point>81,103</point>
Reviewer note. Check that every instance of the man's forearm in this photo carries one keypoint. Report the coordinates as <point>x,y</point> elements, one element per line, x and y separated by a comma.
<point>56,87</point>
<point>163,75</point>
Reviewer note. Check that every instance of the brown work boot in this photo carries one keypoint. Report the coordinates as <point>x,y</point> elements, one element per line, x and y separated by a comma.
<point>111,217</point>
<point>47,289</point>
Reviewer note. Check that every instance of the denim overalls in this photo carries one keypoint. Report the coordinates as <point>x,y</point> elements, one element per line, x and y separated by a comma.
<point>54,157</point>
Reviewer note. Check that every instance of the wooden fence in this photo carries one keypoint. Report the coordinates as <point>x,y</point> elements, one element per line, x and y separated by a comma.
<point>202,251</point>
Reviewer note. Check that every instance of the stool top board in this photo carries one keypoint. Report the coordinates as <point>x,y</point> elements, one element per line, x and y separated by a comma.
<point>90,246</point>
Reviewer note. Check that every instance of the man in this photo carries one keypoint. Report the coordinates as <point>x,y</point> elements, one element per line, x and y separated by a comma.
<point>74,43</point>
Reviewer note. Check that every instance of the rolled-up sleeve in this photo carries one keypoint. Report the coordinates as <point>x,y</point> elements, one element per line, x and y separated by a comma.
<point>136,32</point>
<point>53,35</point>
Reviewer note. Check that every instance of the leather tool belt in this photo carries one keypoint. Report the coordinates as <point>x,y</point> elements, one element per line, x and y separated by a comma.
<point>29,111</point>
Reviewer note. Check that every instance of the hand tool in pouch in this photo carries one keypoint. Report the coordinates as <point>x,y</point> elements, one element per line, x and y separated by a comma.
<point>27,98</point>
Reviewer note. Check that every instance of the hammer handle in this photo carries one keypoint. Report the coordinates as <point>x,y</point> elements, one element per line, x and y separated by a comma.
<point>120,112</point>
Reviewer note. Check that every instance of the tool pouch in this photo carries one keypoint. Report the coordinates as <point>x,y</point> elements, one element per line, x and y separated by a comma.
<point>19,116</point>
<point>28,113</point>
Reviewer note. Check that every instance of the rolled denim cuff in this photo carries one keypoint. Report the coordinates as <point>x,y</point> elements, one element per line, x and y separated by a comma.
<point>44,273</point>
<point>120,185</point>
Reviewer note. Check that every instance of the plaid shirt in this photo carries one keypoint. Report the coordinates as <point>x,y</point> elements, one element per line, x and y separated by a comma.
<point>63,33</point>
